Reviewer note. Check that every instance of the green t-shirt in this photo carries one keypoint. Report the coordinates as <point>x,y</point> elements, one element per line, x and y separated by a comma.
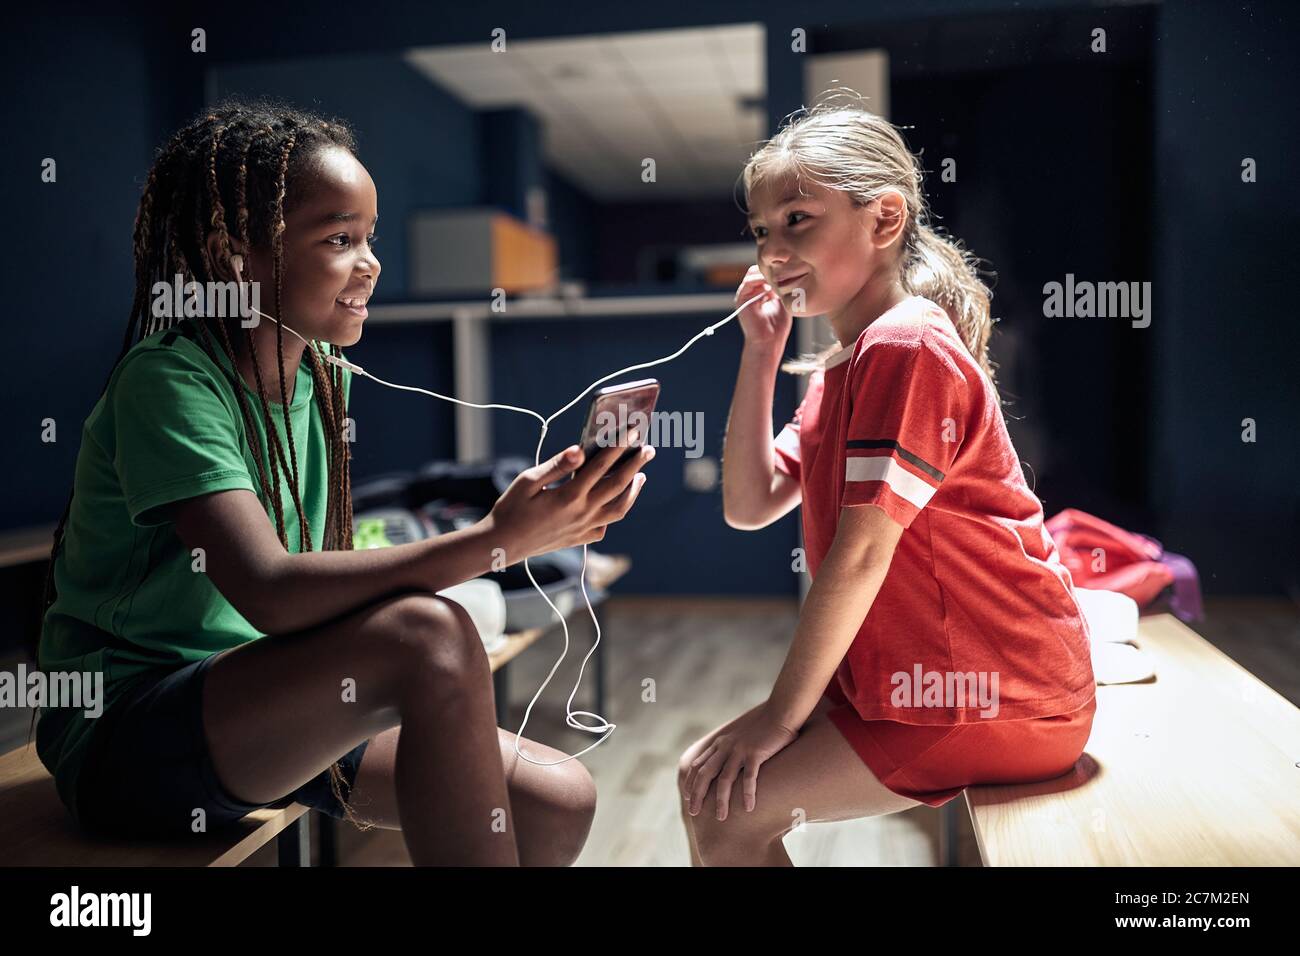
<point>168,427</point>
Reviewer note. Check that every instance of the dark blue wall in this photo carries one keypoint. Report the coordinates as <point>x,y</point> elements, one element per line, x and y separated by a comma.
<point>511,159</point>
<point>1226,339</point>
<point>573,220</point>
<point>677,537</point>
<point>69,271</point>
<point>636,242</point>
<point>423,149</point>
<point>1221,347</point>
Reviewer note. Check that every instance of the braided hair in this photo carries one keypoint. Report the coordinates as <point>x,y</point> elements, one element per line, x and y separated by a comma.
<point>256,158</point>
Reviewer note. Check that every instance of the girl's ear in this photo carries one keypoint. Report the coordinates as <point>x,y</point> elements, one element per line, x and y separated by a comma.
<point>891,218</point>
<point>225,269</point>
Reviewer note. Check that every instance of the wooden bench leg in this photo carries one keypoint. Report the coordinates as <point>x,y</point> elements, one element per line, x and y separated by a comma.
<point>294,843</point>
<point>948,833</point>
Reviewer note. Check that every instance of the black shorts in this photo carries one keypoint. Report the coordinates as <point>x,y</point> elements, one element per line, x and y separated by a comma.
<point>148,769</point>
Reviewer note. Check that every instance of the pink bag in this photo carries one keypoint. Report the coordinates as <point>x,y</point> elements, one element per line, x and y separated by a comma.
<point>1104,556</point>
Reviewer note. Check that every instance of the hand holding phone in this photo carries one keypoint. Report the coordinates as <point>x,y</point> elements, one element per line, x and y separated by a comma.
<point>615,411</point>
<point>541,512</point>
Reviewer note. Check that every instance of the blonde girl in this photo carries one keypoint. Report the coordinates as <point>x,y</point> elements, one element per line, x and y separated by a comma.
<point>940,644</point>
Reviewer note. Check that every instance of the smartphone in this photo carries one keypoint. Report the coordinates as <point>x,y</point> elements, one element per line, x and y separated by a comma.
<point>615,410</point>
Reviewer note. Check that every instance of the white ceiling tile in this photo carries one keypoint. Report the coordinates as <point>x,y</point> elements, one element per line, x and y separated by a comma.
<point>605,101</point>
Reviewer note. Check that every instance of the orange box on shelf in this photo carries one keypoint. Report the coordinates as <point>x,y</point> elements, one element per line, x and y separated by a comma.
<point>472,251</point>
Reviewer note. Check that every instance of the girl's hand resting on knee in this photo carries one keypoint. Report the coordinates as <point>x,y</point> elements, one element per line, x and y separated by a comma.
<point>754,739</point>
<point>532,519</point>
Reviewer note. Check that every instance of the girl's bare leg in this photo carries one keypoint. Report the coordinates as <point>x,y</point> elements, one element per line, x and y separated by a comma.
<point>684,764</point>
<point>279,710</point>
<point>553,806</point>
<point>818,777</point>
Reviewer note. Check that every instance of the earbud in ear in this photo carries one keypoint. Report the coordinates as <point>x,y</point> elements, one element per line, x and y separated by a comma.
<point>237,263</point>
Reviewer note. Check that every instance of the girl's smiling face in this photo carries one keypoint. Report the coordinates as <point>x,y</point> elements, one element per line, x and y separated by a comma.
<point>328,252</point>
<point>814,239</point>
<point>811,239</point>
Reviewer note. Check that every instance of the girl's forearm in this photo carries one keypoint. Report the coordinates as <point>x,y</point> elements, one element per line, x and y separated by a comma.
<point>747,451</point>
<point>309,589</point>
<point>838,601</point>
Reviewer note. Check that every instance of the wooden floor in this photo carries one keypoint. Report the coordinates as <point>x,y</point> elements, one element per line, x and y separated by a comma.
<point>709,661</point>
<point>712,660</point>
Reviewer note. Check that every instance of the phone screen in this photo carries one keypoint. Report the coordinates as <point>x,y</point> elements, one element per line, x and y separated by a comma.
<point>616,410</point>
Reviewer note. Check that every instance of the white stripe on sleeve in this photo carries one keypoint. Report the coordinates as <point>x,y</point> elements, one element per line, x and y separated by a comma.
<point>883,468</point>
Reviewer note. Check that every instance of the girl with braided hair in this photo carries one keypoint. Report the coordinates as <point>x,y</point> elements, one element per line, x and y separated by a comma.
<point>204,564</point>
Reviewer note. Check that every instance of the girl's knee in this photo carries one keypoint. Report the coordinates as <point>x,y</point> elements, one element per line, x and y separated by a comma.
<point>741,831</point>
<point>565,788</point>
<point>434,638</point>
<point>461,619</point>
<point>683,768</point>
<point>580,791</point>
<point>688,757</point>
<point>558,816</point>
<point>737,838</point>
<point>578,810</point>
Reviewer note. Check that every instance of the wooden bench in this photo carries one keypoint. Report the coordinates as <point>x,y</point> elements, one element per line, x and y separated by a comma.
<point>37,830</point>
<point>1200,767</point>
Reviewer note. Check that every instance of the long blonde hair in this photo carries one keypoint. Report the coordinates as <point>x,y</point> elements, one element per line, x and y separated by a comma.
<point>850,148</point>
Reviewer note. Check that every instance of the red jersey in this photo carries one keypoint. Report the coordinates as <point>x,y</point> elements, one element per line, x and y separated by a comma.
<point>906,420</point>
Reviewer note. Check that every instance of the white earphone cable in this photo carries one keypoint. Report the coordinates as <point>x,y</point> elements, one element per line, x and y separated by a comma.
<point>605,727</point>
